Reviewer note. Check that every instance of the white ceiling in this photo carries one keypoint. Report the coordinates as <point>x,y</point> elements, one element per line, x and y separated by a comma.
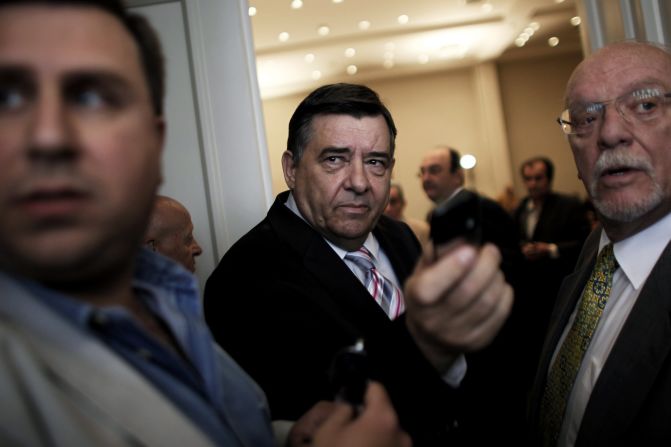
<point>439,35</point>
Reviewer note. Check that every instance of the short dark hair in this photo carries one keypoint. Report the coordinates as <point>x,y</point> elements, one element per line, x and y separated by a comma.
<point>549,166</point>
<point>335,99</point>
<point>144,35</point>
<point>455,160</point>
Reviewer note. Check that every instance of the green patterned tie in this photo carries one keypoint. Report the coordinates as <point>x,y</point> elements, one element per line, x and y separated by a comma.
<point>567,362</point>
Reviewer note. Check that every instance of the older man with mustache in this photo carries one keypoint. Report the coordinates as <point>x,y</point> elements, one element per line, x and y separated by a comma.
<point>605,372</point>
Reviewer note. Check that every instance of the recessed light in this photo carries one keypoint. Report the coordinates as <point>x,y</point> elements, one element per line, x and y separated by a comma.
<point>487,7</point>
<point>296,4</point>
<point>388,54</point>
<point>283,36</point>
<point>389,46</point>
<point>553,41</point>
<point>423,58</point>
<point>534,26</point>
<point>575,21</point>
<point>323,30</point>
<point>309,58</point>
<point>350,52</point>
<point>388,63</point>
<point>520,42</point>
<point>251,11</point>
<point>468,161</point>
<point>337,1</point>
<point>529,30</point>
<point>403,19</point>
<point>316,75</point>
<point>351,69</point>
<point>364,25</point>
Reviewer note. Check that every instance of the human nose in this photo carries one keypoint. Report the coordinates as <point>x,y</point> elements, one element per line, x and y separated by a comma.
<point>614,129</point>
<point>357,177</point>
<point>196,249</point>
<point>50,131</point>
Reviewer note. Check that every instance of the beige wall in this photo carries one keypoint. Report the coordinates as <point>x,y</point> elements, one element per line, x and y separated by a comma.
<point>533,97</point>
<point>442,108</point>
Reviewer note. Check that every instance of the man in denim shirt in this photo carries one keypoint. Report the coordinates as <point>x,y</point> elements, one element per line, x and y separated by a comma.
<point>100,344</point>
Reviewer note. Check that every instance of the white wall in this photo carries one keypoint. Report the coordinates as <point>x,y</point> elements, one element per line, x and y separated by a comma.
<point>215,159</point>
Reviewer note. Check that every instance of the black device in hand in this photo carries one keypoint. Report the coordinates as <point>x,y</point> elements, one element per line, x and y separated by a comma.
<point>460,216</point>
<point>349,374</point>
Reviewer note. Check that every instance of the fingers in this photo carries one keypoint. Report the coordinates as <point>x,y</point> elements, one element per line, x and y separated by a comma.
<point>458,303</point>
<point>433,279</point>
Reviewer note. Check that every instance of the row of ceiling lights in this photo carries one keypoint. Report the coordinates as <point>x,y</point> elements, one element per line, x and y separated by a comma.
<point>529,31</point>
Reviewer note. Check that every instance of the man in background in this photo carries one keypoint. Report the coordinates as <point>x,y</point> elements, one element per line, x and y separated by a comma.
<point>496,397</point>
<point>170,232</point>
<point>326,268</point>
<point>605,373</point>
<point>395,209</point>
<point>551,228</point>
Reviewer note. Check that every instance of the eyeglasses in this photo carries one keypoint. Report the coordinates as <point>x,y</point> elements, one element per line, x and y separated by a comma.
<point>646,104</point>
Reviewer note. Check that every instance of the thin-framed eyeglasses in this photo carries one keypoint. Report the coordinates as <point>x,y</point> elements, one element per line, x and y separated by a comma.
<point>640,105</point>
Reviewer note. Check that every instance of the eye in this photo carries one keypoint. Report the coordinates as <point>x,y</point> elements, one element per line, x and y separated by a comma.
<point>643,103</point>
<point>94,93</point>
<point>12,98</point>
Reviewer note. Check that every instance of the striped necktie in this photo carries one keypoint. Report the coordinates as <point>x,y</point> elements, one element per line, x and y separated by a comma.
<point>385,293</point>
<point>567,362</point>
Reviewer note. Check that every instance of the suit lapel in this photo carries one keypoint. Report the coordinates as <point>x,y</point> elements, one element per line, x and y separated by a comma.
<point>347,298</point>
<point>634,362</point>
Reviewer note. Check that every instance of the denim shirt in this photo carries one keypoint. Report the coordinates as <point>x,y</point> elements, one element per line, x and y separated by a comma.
<point>205,383</point>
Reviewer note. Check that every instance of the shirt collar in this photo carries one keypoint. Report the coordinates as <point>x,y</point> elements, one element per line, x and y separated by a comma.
<point>638,254</point>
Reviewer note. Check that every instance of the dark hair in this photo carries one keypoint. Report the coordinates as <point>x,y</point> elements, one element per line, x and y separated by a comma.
<point>144,35</point>
<point>335,99</point>
<point>549,166</point>
<point>455,158</point>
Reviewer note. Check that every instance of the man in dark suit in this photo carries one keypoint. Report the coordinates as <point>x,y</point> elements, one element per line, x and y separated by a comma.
<point>605,373</point>
<point>551,228</point>
<point>497,399</point>
<point>306,297</point>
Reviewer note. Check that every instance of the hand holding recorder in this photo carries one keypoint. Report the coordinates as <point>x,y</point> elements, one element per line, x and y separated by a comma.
<point>457,298</point>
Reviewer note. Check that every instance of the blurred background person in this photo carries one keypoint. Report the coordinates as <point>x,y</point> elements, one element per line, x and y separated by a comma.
<point>170,232</point>
<point>395,208</point>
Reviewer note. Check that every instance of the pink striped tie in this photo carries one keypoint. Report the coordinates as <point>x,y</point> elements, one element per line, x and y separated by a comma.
<point>385,293</point>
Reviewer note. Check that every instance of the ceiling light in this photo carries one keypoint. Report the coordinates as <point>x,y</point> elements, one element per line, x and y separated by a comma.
<point>423,58</point>
<point>309,58</point>
<point>388,54</point>
<point>529,30</point>
<point>350,52</point>
<point>389,46</point>
<point>251,11</point>
<point>316,75</point>
<point>351,69</point>
<point>323,30</point>
<point>520,42</point>
<point>364,25</point>
<point>283,36</point>
<point>553,41</point>
<point>296,4</point>
<point>575,21</point>
<point>534,26</point>
<point>388,63</point>
<point>524,35</point>
<point>559,1</point>
<point>337,1</point>
<point>403,19</point>
<point>487,7</point>
<point>468,161</point>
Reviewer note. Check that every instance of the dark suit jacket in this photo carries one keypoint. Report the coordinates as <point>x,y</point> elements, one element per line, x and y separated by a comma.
<point>300,304</point>
<point>500,375</point>
<point>631,400</point>
<point>562,221</point>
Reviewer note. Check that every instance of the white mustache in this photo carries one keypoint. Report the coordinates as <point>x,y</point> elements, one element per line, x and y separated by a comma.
<point>620,159</point>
